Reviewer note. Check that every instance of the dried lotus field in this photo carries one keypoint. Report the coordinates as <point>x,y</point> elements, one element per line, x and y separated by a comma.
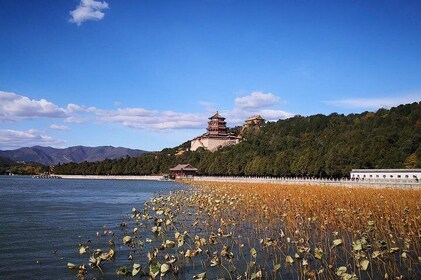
<point>221,230</point>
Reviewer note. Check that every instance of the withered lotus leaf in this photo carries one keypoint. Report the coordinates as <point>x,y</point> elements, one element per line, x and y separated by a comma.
<point>154,270</point>
<point>364,264</point>
<point>83,249</point>
<point>253,252</point>
<point>71,265</point>
<point>250,230</point>
<point>337,242</point>
<point>289,260</point>
<point>127,239</point>
<point>136,268</point>
<point>169,243</point>
<point>123,271</point>
<point>318,253</point>
<point>164,269</point>
<point>276,267</point>
<point>200,276</point>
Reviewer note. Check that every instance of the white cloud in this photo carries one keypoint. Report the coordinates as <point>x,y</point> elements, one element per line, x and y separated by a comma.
<point>88,10</point>
<point>59,127</point>
<point>72,108</point>
<point>244,107</point>
<point>256,103</point>
<point>79,114</point>
<point>274,115</point>
<point>16,107</point>
<point>374,103</point>
<point>151,119</point>
<point>10,139</point>
<point>77,120</point>
<point>255,100</point>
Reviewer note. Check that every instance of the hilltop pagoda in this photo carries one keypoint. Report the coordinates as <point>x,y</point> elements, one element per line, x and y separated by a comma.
<point>216,136</point>
<point>217,125</point>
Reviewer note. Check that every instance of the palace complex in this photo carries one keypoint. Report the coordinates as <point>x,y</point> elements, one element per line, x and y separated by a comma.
<point>217,135</point>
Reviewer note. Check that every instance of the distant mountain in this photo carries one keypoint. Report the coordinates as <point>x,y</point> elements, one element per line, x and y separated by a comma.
<point>49,155</point>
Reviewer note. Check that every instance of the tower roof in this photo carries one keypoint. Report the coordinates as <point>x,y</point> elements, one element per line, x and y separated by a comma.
<point>185,167</point>
<point>217,116</point>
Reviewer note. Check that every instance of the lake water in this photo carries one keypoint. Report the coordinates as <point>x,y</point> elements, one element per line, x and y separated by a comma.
<point>43,220</point>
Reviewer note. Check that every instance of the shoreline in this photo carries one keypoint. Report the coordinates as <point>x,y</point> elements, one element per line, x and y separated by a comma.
<point>292,181</point>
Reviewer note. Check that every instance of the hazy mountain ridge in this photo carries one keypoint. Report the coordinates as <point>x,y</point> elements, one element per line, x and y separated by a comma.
<point>49,155</point>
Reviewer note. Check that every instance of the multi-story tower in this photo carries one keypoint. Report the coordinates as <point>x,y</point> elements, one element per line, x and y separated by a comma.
<point>217,125</point>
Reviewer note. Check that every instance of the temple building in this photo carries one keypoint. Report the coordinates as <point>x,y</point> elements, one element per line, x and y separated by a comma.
<point>256,120</point>
<point>183,170</point>
<point>216,136</point>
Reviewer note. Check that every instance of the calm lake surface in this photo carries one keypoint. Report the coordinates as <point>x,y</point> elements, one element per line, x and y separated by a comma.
<point>43,220</point>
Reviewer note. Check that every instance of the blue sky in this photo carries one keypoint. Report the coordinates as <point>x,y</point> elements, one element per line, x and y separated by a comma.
<point>147,74</point>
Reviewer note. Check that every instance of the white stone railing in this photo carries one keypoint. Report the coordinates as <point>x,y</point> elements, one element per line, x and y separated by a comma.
<point>407,183</point>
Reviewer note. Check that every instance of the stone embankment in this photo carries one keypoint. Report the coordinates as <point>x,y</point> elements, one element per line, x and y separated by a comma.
<point>271,180</point>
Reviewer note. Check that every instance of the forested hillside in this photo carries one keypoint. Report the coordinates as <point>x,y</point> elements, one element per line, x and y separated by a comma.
<point>319,145</point>
<point>29,168</point>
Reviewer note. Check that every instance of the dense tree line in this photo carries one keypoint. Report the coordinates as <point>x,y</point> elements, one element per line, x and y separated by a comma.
<point>9,166</point>
<point>319,145</point>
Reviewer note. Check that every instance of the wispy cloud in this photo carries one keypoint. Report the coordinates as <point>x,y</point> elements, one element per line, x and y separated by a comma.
<point>11,139</point>
<point>374,103</point>
<point>208,106</point>
<point>59,127</point>
<point>88,10</point>
<point>76,120</point>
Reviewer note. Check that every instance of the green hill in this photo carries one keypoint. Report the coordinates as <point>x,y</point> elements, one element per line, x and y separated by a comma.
<point>319,145</point>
